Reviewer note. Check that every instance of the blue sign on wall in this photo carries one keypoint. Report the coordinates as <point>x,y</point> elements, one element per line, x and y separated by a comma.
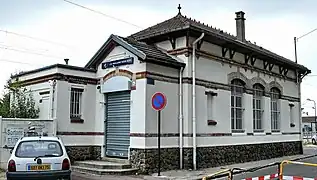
<point>119,62</point>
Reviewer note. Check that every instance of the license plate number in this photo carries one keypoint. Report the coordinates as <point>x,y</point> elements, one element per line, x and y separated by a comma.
<point>39,167</point>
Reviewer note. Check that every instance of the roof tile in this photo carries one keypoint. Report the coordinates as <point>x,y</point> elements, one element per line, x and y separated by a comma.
<point>150,50</point>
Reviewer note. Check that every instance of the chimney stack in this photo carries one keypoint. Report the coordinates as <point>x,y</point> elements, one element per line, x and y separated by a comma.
<point>66,61</point>
<point>240,25</point>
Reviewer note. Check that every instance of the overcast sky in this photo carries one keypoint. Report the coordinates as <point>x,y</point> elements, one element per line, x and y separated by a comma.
<point>75,33</point>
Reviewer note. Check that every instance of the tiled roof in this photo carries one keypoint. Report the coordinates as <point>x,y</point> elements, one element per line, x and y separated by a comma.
<point>180,22</point>
<point>151,51</point>
<point>176,23</point>
<point>145,52</point>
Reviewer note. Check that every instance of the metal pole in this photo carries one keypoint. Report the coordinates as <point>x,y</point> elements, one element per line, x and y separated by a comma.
<point>298,80</point>
<point>315,115</point>
<point>295,45</point>
<point>159,141</point>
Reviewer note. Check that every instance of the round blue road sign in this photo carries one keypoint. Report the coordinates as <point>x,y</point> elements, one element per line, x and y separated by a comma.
<point>158,101</point>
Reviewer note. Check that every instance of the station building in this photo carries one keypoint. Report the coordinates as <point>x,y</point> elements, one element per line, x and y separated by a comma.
<point>247,99</point>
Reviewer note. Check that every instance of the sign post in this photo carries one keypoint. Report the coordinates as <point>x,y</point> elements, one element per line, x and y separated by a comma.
<point>158,103</point>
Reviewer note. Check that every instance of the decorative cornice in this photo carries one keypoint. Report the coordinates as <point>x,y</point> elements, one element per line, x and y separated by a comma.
<point>118,72</point>
<point>258,80</point>
<point>61,77</point>
<point>276,85</point>
<point>187,51</point>
<point>238,75</point>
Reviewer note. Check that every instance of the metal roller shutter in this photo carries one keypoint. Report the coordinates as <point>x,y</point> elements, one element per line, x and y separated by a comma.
<point>117,124</point>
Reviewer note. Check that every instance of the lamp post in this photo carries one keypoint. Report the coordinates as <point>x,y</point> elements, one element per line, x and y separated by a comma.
<point>315,111</point>
<point>299,79</point>
<point>297,38</point>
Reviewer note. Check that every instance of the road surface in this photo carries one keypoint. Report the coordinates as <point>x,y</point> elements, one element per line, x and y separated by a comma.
<point>77,176</point>
<point>289,170</point>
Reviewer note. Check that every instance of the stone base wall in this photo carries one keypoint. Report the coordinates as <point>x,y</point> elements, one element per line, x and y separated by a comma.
<point>146,159</point>
<point>81,153</point>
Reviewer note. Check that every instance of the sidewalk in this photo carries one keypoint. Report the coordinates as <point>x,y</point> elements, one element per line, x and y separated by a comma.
<point>199,174</point>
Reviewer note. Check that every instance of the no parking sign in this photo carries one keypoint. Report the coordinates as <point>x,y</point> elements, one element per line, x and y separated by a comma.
<point>158,103</point>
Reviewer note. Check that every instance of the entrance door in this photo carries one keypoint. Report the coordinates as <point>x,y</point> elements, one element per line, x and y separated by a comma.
<point>117,124</point>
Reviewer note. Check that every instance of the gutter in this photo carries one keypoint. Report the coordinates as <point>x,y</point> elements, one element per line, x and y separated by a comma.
<point>194,98</point>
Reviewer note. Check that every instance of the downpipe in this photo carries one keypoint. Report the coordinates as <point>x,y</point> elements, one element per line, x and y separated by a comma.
<point>181,118</point>
<point>194,98</point>
<point>299,81</point>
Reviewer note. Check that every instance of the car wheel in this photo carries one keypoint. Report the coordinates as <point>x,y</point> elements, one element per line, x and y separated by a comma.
<point>313,141</point>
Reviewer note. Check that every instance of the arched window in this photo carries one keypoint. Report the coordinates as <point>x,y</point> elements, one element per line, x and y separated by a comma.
<point>275,109</point>
<point>258,92</point>
<point>237,90</point>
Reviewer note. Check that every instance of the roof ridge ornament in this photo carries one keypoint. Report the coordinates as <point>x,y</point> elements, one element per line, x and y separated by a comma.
<point>179,9</point>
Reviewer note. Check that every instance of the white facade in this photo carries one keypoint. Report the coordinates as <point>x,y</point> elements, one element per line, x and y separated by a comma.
<point>143,117</point>
<point>215,72</point>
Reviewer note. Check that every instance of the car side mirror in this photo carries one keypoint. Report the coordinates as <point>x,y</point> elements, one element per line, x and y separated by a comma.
<point>11,151</point>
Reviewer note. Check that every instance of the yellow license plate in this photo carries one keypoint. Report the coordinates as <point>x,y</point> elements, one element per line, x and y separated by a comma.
<point>40,167</point>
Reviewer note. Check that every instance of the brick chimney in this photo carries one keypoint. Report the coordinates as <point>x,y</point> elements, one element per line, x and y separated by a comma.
<point>240,25</point>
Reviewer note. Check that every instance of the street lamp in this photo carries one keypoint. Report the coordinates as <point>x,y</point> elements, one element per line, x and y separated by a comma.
<point>298,80</point>
<point>297,38</point>
<point>315,111</point>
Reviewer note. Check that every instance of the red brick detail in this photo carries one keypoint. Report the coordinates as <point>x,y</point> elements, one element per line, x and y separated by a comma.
<point>122,72</point>
<point>66,133</point>
<point>80,121</point>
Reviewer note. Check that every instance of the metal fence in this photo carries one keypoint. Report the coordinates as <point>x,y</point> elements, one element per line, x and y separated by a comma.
<point>280,175</point>
<point>12,129</point>
<point>307,136</point>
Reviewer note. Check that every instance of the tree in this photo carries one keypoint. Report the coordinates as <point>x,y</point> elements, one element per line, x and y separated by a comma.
<point>18,102</point>
<point>5,105</point>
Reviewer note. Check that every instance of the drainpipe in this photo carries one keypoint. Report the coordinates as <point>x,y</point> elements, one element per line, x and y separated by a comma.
<point>53,84</point>
<point>181,118</point>
<point>299,80</point>
<point>194,98</point>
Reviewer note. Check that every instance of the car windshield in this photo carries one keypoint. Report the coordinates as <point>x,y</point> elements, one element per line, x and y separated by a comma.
<point>39,148</point>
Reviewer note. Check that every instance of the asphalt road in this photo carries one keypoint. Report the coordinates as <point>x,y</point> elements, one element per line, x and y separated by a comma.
<point>289,169</point>
<point>77,176</point>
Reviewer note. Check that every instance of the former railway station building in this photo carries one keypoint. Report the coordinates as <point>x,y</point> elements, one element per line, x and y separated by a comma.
<point>247,99</point>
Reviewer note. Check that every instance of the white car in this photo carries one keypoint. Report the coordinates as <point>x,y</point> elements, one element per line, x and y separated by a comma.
<point>314,139</point>
<point>39,157</point>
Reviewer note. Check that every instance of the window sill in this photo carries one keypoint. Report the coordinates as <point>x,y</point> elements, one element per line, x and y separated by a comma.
<point>237,130</point>
<point>276,132</point>
<point>258,130</point>
<point>76,120</point>
<point>259,134</point>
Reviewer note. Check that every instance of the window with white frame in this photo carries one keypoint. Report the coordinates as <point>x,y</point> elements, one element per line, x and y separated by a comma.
<point>76,103</point>
<point>237,90</point>
<point>258,92</point>
<point>275,109</point>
